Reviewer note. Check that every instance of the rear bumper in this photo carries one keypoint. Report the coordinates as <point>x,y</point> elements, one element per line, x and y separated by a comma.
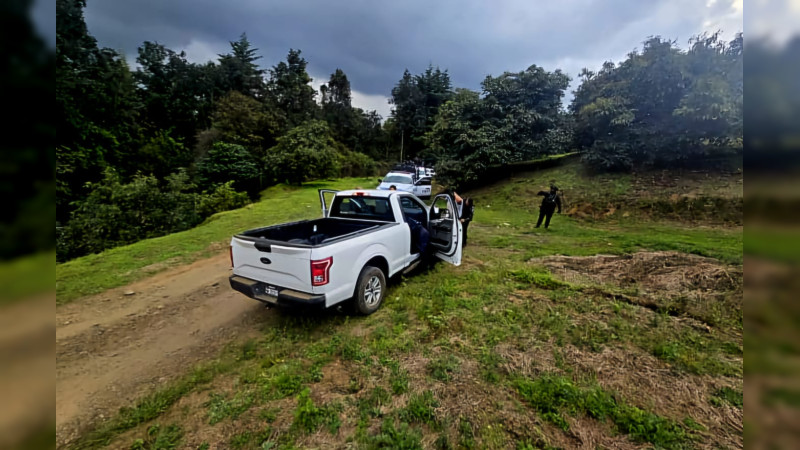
<point>286,297</point>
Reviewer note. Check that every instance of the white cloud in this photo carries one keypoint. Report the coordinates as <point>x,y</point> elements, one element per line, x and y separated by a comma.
<point>368,102</point>
<point>202,52</point>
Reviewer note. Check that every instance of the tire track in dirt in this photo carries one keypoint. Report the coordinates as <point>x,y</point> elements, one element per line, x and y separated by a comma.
<point>112,348</point>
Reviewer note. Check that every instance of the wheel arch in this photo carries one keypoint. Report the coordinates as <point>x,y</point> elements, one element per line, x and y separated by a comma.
<point>380,262</point>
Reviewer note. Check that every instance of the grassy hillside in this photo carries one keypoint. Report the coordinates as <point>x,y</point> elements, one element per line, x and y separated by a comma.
<point>516,348</point>
<point>119,266</point>
<point>627,207</point>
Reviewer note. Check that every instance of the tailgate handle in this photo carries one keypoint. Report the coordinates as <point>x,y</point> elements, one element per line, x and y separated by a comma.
<point>266,261</point>
<point>263,247</point>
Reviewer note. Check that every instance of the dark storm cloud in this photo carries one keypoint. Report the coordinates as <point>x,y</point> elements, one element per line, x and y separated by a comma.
<point>373,42</point>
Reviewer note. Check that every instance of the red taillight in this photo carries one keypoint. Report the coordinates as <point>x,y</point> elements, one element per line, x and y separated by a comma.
<point>320,270</point>
<point>230,250</point>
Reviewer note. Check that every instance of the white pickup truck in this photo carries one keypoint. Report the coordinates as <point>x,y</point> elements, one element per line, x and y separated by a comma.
<point>363,238</point>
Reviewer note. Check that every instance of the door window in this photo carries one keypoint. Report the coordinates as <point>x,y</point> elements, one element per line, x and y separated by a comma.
<point>413,209</point>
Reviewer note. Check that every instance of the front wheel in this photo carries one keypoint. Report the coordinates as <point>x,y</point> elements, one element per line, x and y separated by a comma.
<point>370,290</point>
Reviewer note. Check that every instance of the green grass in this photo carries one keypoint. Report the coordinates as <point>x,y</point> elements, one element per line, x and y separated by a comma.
<point>420,409</point>
<point>444,367</point>
<point>308,417</point>
<point>401,437</point>
<point>118,266</point>
<point>26,276</point>
<point>220,408</point>
<point>159,438</point>
<point>552,396</point>
<point>472,323</point>
<point>729,396</point>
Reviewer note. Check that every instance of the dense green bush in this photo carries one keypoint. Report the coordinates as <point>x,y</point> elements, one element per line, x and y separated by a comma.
<point>229,162</point>
<point>117,213</point>
<point>306,152</point>
<point>223,198</point>
<point>354,164</point>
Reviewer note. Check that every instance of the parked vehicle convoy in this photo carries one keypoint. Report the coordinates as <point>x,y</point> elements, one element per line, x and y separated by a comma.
<point>407,182</point>
<point>408,177</point>
<point>363,238</point>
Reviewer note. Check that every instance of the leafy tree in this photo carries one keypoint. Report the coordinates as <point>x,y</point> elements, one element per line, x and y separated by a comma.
<point>175,94</point>
<point>518,118</point>
<point>357,129</point>
<point>337,91</point>
<point>464,140</point>
<point>663,106</point>
<point>242,120</point>
<point>307,152</point>
<point>96,106</point>
<point>416,101</point>
<point>161,155</point>
<point>525,106</point>
<point>229,162</point>
<point>773,139</point>
<point>239,69</point>
<point>289,91</point>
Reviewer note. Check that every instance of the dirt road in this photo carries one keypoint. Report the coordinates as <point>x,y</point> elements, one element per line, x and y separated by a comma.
<point>113,348</point>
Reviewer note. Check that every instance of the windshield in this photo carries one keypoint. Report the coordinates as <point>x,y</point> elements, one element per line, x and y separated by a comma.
<point>399,179</point>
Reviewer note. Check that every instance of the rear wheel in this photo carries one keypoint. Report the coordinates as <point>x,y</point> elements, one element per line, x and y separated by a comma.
<point>370,290</point>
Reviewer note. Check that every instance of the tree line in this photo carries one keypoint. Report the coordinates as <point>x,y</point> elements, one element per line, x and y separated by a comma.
<point>156,149</point>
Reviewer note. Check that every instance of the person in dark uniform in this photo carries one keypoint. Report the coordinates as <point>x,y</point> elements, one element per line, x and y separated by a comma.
<point>467,212</point>
<point>550,201</point>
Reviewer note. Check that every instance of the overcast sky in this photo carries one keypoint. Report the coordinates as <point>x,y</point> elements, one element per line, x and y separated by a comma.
<point>374,41</point>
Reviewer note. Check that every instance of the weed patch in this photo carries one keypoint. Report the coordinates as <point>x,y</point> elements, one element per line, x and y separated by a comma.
<point>420,409</point>
<point>552,395</point>
<point>538,277</point>
<point>220,408</point>
<point>442,368</point>
<point>159,438</point>
<point>401,437</point>
<point>308,417</point>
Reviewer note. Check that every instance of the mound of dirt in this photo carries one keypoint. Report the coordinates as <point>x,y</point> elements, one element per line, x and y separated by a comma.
<point>670,281</point>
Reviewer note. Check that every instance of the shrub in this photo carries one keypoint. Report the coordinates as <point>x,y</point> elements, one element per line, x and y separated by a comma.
<point>223,198</point>
<point>306,152</point>
<point>116,213</point>
<point>229,162</point>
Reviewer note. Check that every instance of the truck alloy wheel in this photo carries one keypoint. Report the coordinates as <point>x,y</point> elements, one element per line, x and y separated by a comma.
<point>370,290</point>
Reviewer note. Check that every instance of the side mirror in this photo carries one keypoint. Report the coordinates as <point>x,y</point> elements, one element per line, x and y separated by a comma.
<point>380,180</point>
<point>436,211</point>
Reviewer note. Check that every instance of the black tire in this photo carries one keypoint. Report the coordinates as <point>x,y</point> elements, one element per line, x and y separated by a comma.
<point>370,291</point>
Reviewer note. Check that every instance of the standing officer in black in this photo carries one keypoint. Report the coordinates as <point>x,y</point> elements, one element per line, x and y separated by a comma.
<point>549,202</point>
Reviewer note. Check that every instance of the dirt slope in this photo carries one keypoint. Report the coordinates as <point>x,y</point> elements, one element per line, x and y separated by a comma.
<point>112,349</point>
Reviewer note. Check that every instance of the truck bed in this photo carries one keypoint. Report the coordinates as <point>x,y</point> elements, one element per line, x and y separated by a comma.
<point>312,232</point>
